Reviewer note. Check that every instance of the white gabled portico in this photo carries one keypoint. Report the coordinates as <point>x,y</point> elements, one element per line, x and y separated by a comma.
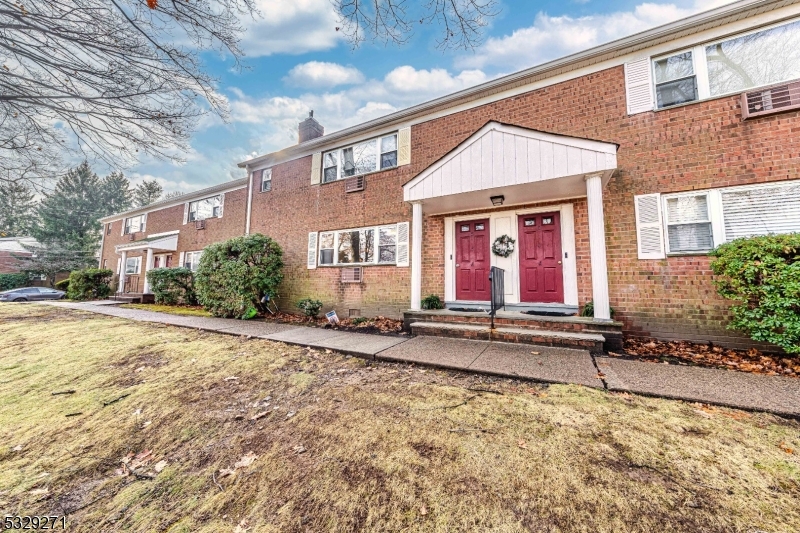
<point>153,244</point>
<point>511,166</point>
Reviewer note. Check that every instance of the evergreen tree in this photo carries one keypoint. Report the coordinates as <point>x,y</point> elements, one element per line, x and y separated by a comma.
<point>116,193</point>
<point>69,215</point>
<point>17,210</point>
<point>146,193</point>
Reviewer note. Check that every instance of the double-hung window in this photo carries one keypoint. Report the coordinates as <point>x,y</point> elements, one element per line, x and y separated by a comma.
<point>675,79</point>
<point>688,223</point>
<point>754,59</point>
<point>133,265</point>
<point>192,260</point>
<point>205,208</point>
<point>266,180</point>
<point>134,224</point>
<point>359,246</point>
<point>362,158</point>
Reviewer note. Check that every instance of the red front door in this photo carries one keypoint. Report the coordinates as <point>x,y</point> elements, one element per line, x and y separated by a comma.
<point>540,262</point>
<point>472,260</point>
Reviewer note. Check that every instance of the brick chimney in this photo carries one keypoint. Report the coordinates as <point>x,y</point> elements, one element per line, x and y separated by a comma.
<point>310,129</point>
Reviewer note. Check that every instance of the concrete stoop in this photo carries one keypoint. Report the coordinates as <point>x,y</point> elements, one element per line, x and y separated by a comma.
<point>592,342</point>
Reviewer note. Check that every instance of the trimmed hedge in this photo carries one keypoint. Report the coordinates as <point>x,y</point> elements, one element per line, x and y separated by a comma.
<point>172,286</point>
<point>762,276</point>
<point>89,284</point>
<point>310,307</point>
<point>234,275</point>
<point>63,285</point>
<point>13,281</point>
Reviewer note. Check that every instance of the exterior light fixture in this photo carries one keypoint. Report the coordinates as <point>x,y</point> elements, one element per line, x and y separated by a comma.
<point>497,200</point>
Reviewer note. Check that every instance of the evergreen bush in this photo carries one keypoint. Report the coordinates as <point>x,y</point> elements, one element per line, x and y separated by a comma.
<point>762,276</point>
<point>63,285</point>
<point>234,275</point>
<point>432,302</point>
<point>310,307</point>
<point>13,281</point>
<point>172,286</point>
<point>89,284</point>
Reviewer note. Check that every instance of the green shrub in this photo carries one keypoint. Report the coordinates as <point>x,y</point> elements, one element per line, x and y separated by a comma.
<point>63,285</point>
<point>234,275</point>
<point>89,284</point>
<point>762,276</point>
<point>172,286</point>
<point>588,310</point>
<point>310,307</point>
<point>432,302</point>
<point>357,321</point>
<point>12,281</point>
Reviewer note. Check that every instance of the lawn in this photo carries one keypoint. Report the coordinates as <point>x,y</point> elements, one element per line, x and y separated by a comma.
<point>184,310</point>
<point>172,429</point>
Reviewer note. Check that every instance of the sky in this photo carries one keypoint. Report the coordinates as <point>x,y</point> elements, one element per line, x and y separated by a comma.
<point>296,61</point>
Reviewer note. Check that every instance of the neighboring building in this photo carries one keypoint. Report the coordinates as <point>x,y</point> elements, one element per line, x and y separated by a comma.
<point>11,250</point>
<point>615,170</point>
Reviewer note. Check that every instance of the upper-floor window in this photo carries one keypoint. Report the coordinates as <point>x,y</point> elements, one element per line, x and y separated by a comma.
<point>205,208</point>
<point>134,224</point>
<point>368,156</point>
<point>758,58</point>
<point>266,180</point>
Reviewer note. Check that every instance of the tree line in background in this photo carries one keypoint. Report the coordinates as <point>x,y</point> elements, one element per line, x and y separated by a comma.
<point>66,221</point>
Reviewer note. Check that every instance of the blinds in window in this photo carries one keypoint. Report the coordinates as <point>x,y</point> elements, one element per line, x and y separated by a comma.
<point>761,211</point>
<point>688,224</point>
<point>648,226</point>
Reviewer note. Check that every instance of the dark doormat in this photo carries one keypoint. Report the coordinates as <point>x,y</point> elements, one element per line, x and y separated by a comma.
<point>549,313</point>
<point>467,310</point>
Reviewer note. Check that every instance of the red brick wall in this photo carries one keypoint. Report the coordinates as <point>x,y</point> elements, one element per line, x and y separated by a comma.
<point>9,263</point>
<point>232,224</point>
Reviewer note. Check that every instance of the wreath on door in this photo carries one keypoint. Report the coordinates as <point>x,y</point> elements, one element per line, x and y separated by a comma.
<point>503,246</point>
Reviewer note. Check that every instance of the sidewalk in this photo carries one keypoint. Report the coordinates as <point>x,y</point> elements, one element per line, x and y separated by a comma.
<point>773,394</point>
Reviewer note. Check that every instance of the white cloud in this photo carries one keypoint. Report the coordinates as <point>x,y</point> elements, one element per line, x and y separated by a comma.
<point>290,27</point>
<point>316,74</point>
<point>551,37</point>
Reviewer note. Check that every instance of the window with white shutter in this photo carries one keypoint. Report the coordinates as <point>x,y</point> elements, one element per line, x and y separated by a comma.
<point>638,86</point>
<point>402,244</point>
<point>404,146</point>
<point>221,205</point>
<point>185,214</point>
<point>649,234</point>
<point>763,210</point>
<point>688,223</point>
<point>316,168</point>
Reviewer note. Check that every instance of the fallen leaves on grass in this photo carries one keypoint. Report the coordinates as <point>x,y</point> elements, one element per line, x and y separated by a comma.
<point>785,447</point>
<point>246,460</point>
<point>708,355</point>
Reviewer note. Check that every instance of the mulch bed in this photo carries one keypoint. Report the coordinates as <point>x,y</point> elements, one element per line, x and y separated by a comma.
<point>379,325</point>
<point>708,355</point>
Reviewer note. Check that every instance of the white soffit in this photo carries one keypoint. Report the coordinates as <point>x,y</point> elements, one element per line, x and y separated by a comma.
<point>511,160</point>
<point>168,243</point>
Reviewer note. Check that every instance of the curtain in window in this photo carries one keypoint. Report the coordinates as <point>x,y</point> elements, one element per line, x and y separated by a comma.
<point>689,226</point>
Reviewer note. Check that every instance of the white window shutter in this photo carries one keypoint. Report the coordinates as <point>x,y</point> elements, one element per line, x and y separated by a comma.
<point>649,230</point>
<point>185,215</point>
<point>312,250</point>
<point>639,86</point>
<point>119,265</point>
<point>402,244</point>
<point>316,168</point>
<point>404,146</point>
<point>221,204</point>
<point>181,259</point>
<point>144,223</point>
<point>122,230</point>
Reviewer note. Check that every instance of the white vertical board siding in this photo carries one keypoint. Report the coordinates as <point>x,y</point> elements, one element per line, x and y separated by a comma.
<point>501,156</point>
<point>638,86</point>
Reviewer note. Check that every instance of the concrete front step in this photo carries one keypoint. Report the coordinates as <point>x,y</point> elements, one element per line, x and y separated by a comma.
<point>587,341</point>
<point>134,298</point>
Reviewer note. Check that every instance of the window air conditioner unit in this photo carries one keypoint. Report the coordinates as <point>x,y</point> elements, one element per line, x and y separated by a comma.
<point>775,99</point>
<point>200,224</point>
<point>131,236</point>
<point>355,184</point>
<point>352,275</point>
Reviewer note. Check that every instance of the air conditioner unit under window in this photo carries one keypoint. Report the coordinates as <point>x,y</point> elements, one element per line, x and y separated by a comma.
<point>355,184</point>
<point>352,275</point>
<point>200,224</point>
<point>775,99</point>
<point>132,236</point>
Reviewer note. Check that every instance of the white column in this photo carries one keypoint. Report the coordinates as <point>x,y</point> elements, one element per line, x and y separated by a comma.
<point>147,266</point>
<point>416,256</point>
<point>122,271</point>
<point>597,245</point>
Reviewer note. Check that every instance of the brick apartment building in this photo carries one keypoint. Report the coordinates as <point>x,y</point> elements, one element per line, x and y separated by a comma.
<point>614,170</point>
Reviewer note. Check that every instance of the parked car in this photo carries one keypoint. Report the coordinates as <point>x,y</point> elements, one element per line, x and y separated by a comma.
<point>31,294</point>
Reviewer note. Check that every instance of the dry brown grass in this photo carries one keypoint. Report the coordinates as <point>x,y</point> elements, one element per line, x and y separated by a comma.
<point>183,310</point>
<point>369,447</point>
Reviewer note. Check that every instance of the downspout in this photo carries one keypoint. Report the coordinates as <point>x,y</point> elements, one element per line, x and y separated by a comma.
<point>249,200</point>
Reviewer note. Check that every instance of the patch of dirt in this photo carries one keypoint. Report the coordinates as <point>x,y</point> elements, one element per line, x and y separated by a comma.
<point>710,356</point>
<point>379,325</point>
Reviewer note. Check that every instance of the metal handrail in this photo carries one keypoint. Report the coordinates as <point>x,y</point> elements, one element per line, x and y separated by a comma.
<point>498,293</point>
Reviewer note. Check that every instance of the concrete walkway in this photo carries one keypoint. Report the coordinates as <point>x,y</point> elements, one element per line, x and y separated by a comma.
<point>773,394</point>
